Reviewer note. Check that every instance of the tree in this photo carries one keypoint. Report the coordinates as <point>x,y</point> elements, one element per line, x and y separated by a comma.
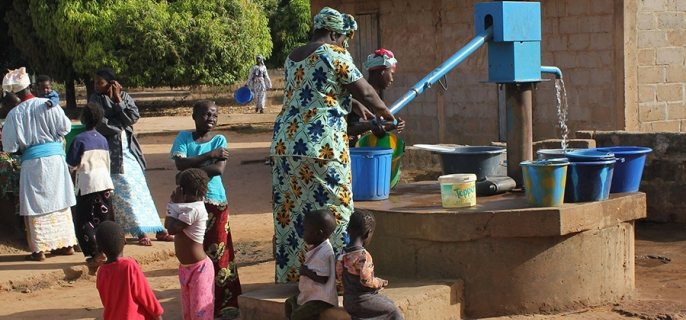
<point>42,54</point>
<point>290,22</point>
<point>149,42</point>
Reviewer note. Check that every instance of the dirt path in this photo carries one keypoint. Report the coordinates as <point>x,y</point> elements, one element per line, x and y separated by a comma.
<point>660,269</point>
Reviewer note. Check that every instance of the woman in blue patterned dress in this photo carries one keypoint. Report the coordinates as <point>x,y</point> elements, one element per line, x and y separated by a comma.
<point>134,208</point>
<point>310,158</point>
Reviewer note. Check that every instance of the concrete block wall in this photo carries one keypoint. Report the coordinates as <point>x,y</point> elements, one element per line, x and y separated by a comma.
<point>661,65</point>
<point>664,176</point>
<point>579,36</point>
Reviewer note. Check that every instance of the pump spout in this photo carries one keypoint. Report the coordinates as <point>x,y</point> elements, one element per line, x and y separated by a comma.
<point>554,70</point>
<point>444,68</point>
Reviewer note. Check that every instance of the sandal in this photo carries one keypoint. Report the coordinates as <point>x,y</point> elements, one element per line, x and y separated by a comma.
<point>68,251</point>
<point>144,241</point>
<point>36,256</point>
<point>164,236</point>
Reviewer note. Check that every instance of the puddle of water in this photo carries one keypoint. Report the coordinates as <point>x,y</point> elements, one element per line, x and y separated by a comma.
<point>562,106</point>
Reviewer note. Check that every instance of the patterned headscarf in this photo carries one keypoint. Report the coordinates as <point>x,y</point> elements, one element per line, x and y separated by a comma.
<point>260,58</point>
<point>16,80</point>
<point>380,59</point>
<point>332,20</point>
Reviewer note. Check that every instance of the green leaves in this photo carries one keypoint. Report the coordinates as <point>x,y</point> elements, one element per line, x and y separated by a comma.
<point>290,23</point>
<point>148,42</point>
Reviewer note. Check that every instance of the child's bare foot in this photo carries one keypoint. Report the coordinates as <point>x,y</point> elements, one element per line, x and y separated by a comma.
<point>94,263</point>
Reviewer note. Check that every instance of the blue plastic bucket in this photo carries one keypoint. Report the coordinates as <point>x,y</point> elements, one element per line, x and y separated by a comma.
<point>371,173</point>
<point>544,181</point>
<point>627,174</point>
<point>589,155</point>
<point>589,181</point>
<point>553,153</point>
<point>243,95</point>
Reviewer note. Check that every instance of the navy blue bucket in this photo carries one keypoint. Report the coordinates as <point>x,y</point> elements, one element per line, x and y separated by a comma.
<point>627,174</point>
<point>589,181</point>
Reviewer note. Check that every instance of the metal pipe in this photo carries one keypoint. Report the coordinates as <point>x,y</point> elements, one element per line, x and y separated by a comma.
<point>444,68</point>
<point>519,100</point>
<point>554,70</point>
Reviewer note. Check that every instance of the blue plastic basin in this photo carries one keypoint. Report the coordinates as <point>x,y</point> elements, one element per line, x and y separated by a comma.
<point>243,95</point>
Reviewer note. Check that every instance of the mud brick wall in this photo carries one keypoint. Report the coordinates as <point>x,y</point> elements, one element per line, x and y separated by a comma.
<point>664,176</point>
<point>584,38</point>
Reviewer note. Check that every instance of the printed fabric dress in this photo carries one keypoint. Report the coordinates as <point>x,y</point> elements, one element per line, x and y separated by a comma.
<point>134,208</point>
<point>259,82</point>
<point>218,244</point>
<point>310,156</point>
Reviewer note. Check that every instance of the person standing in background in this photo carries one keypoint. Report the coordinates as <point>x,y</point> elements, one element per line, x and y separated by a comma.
<point>259,83</point>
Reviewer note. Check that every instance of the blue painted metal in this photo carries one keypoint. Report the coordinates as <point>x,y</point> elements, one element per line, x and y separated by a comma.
<point>514,54</point>
<point>554,70</point>
<point>444,68</point>
<point>511,20</point>
<point>514,62</point>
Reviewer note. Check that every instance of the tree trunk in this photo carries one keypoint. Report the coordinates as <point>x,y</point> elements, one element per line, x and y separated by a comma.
<point>89,86</point>
<point>71,94</point>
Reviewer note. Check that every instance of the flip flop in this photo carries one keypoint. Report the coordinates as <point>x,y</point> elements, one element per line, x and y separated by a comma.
<point>36,256</point>
<point>144,241</point>
<point>64,251</point>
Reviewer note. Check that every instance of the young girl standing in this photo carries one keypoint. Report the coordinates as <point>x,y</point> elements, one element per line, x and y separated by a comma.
<point>203,150</point>
<point>187,220</point>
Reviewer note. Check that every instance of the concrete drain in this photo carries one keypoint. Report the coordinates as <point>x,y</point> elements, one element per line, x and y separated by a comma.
<point>652,261</point>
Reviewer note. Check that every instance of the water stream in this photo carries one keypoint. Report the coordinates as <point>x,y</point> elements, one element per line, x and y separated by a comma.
<point>562,106</point>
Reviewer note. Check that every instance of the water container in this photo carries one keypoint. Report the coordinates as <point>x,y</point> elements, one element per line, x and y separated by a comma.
<point>482,161</point>
<point>371,173</point>
<point>627,175</point>
<point>458,190</point>
<point>589,155</point>
<point>243,95</point>
<point>589,181</point>
<point>553,153</point>
<point>389,140</point>
<point>76,128</point>
<point>544,181</point>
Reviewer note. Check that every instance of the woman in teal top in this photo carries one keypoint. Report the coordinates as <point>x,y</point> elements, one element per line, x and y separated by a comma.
<point>200,149</point>
<point>310,158</point>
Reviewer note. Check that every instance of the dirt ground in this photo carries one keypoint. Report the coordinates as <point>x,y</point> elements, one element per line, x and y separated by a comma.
<point>660,249</point>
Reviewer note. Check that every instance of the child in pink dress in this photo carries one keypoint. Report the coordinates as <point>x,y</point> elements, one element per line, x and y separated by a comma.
<point>187,220</point>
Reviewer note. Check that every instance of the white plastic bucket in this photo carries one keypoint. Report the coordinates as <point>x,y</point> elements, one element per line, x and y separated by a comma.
<point>458,190</point>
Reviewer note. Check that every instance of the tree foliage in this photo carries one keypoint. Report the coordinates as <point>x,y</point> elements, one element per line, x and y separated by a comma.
<point>148,42</point>
<point>290,23</point>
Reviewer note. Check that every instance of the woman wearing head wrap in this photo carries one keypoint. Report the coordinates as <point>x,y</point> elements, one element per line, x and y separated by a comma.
<point>381,67</point>
<point>259,82</point>
<point>310,158</point>
<point>134,208</point>
<point>46,193</point>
